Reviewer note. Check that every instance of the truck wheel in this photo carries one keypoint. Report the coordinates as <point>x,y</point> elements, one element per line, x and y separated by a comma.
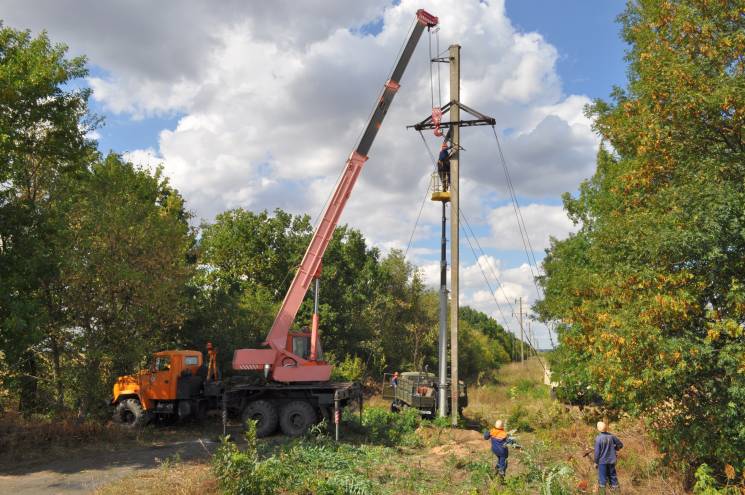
<point>264,413</point>
<point>296,417</point>
<point>130,414</point>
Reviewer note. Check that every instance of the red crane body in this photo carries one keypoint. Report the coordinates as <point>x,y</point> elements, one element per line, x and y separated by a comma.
<point>295,356</point>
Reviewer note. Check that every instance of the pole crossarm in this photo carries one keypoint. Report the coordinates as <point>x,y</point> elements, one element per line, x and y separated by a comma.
<point>479,118</point>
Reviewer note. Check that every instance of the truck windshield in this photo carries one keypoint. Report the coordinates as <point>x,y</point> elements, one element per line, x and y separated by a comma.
<point>162,363</point>
<point>301,346</point>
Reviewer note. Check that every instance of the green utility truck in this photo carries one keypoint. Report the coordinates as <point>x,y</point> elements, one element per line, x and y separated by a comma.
<point>419,390</point>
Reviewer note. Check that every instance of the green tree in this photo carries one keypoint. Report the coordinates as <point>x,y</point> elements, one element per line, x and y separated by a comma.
<point>123,279</point>
<point>508,346</point>
<point>650,290</point>
<point>43,127</point>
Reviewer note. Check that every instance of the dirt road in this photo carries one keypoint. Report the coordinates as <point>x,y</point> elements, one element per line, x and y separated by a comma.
<point>84,474</point>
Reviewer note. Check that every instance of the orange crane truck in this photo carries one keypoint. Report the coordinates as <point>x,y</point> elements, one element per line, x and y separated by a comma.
<point>287,384</point>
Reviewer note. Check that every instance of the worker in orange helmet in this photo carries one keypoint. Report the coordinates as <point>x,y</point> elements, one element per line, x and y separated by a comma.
<point>394,379</point>
<point>443,164</point>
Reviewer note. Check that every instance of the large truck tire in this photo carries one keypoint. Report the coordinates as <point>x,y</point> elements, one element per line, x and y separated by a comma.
<point>265,415</point>
<point>296,417</point>
<point>130,414</point>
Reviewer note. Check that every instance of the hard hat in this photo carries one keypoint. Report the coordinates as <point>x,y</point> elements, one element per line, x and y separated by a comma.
<point>602,427</point>
<point>499,424</point>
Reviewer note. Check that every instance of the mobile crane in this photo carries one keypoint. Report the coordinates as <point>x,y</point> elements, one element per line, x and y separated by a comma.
<point>294,388</point>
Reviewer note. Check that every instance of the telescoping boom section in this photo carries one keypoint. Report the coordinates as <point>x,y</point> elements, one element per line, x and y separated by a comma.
<point>296,356</point>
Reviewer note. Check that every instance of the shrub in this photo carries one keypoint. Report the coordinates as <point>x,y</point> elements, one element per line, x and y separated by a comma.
<point>391,428</point>
<point>241,472</point>
<point>352,369</point>
<point>519,419</point>
<point>310,465</point>
<point>551,478</point>
<point>442,422</point>
<point>706,483</point>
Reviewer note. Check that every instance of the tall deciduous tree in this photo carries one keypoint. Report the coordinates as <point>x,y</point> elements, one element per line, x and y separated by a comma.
<point>651,290</point>
<point>43,126</point>
<point>124,275</point>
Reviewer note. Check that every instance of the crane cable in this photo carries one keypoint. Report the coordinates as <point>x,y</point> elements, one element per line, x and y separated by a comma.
<point>426,195</point>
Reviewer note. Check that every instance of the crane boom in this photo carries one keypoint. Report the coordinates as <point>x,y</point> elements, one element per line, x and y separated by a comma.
<point>284,364</point>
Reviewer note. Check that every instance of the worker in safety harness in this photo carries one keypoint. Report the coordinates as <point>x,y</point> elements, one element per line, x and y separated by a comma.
<point>443,163</point>
<point>500,439</point>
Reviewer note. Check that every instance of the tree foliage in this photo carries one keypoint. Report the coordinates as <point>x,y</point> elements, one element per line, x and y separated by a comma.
<point>650,290</point>
<point>43,125</point>
<point>93,252</point>
<point>374,311</point>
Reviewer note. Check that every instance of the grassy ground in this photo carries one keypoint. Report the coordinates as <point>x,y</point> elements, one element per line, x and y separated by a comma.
<point>375,458</point>
<point>39,439</point>
<point>173,476</point>
<point>555,435</point>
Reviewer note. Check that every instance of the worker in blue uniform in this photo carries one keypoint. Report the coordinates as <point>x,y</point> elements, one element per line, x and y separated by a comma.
<point>606,446</point>
<point>443,164</point>
<point>500,439</point>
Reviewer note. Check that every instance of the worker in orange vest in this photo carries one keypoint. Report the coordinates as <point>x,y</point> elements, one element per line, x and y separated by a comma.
<point>212,362</point>
<point>500,439</point>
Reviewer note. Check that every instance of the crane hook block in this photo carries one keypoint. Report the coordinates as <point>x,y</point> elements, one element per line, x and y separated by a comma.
<point>426,18</point>
<point>436,119</point>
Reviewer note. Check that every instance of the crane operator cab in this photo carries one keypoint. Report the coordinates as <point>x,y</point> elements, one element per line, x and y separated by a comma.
<point>298,343</point>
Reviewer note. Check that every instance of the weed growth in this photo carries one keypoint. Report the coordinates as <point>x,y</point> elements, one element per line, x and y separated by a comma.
<point>707,484</point>
<point>519,419</point>
<point>381,426</point>
<point>311,465</point>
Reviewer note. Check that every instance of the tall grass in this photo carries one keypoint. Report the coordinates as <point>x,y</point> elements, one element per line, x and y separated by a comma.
<point>18,434</point>
<point>316,464</point>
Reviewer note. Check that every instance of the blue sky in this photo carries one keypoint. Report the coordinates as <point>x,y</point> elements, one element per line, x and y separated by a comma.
<point>587,36</point>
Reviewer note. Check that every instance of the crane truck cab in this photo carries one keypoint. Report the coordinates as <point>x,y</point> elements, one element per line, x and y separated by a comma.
<point>171,385</point>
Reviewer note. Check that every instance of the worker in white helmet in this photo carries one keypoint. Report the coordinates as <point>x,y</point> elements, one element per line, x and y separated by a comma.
<point>500,439</point>
<point>606,445</point>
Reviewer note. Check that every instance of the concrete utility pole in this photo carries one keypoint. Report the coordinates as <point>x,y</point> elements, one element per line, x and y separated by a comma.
<point>442,342</point>
<point>454,227</point>
<point>453,195</point>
